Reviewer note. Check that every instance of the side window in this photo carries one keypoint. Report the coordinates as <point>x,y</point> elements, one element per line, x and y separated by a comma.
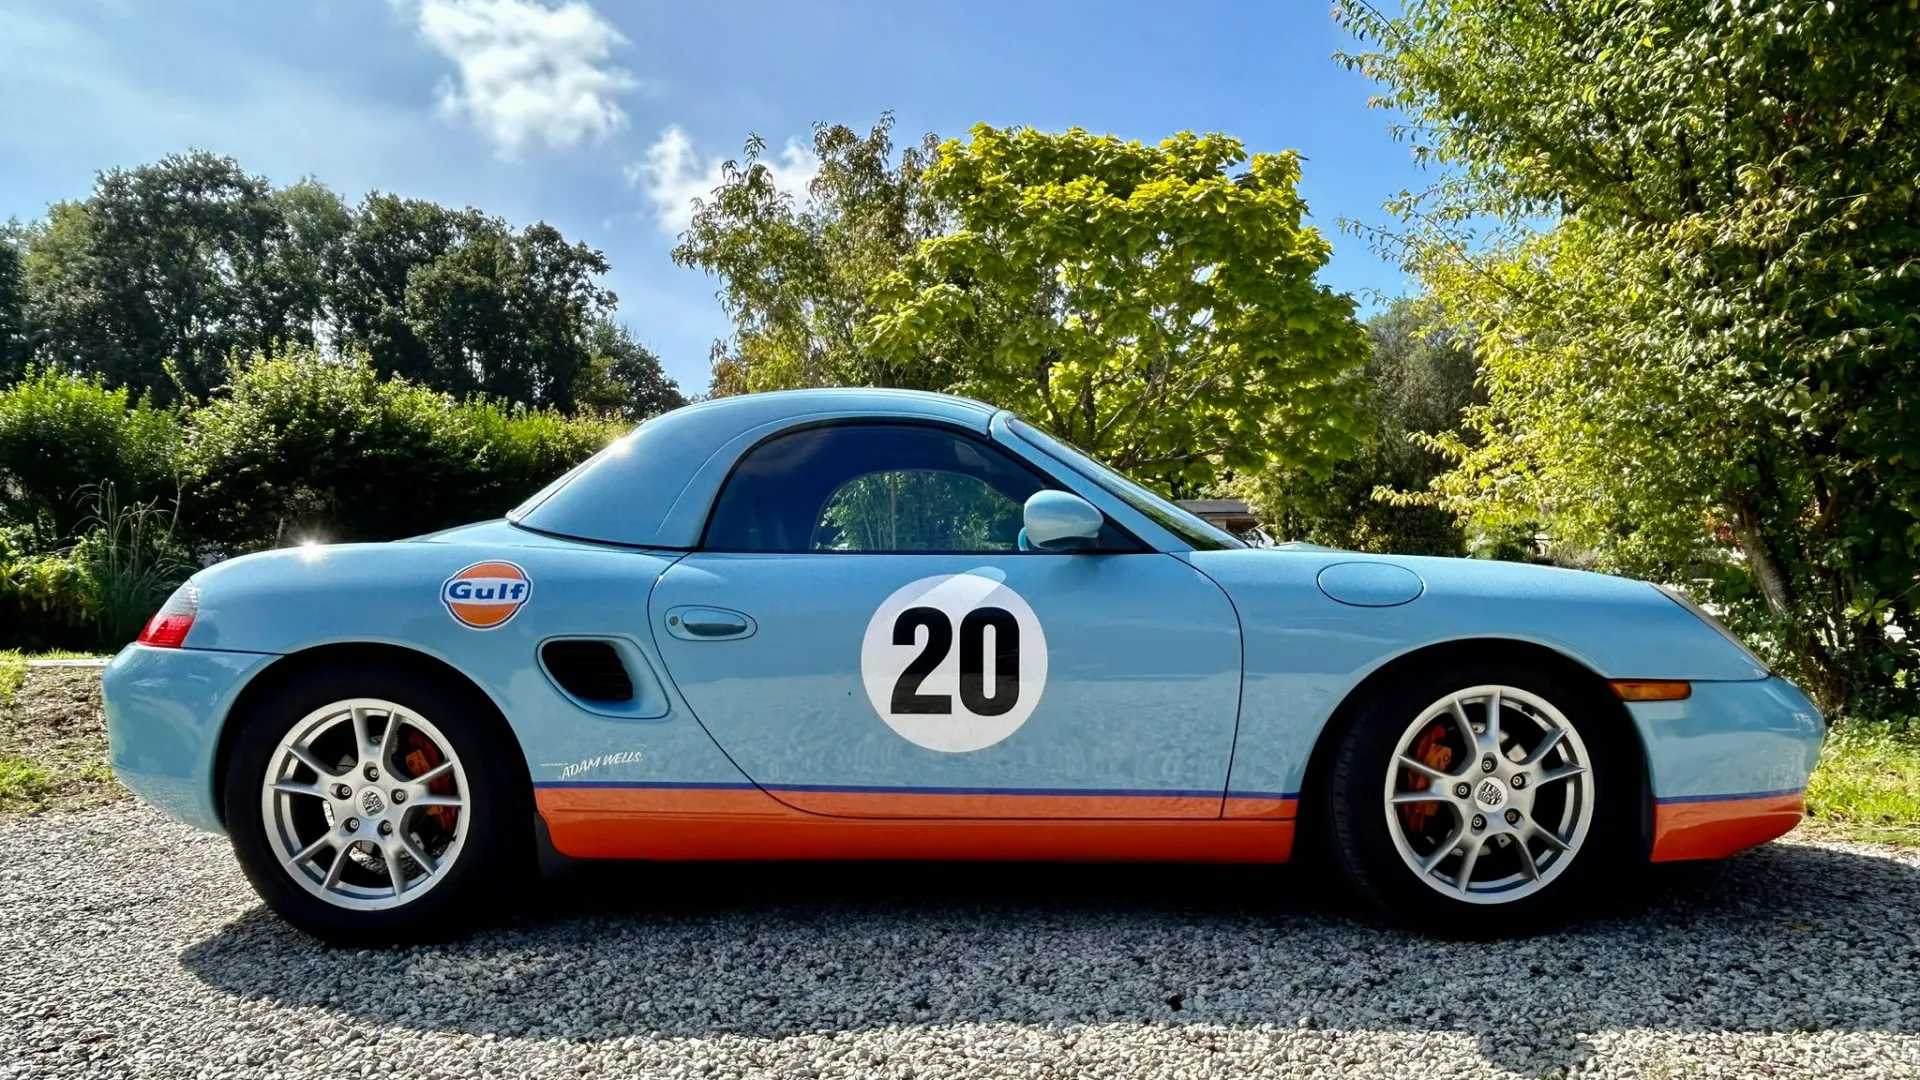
<point>874,488</point>
<point>918,510</point>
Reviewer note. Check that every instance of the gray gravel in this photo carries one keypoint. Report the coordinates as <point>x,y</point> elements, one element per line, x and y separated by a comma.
<point>130,946</point>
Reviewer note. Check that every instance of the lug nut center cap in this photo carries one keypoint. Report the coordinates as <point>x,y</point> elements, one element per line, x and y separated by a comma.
<point>372,803</point>
<point>1491,794</point>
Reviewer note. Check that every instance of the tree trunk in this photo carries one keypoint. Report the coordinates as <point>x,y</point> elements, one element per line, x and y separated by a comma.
<point>1831,684</point>
<point>1761,559</point>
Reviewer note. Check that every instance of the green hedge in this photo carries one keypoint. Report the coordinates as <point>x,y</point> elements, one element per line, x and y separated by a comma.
<point>61,434</point>
<point>294,448</point>
<point>45,600</point>
<point>305,448</point>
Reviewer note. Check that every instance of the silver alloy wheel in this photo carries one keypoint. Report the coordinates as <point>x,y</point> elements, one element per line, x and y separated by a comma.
<point>1507,805</point>
<point>360,814</point>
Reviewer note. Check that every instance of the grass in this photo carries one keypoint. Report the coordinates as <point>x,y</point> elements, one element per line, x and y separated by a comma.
<point>53,744</point>
<point>23,784</point>
<point>13,667</point>
<point>1867,787</point>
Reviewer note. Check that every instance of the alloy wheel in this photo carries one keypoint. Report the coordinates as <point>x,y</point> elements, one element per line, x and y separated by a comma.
<point>365,804</point>
<point>1489,795</point>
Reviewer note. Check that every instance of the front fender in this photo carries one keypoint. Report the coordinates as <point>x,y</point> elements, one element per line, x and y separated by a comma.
<point>1306,652</point>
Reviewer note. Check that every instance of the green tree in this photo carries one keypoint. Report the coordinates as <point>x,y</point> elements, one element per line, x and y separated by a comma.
<point>1685,236</point>
<point>161,274</point>
<point>14,341</point>
<point>1146,303</point>
<point>458,301</point>
<point>306,269</point>
<point>622,377</point>
<point>506,314</point>
<point>390,238</point>
<point>1420,382</point>
<point>167,272</point>
<point>797,278</point>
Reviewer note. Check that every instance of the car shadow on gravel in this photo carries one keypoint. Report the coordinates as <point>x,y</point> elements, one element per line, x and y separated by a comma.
<point>1787,938</point>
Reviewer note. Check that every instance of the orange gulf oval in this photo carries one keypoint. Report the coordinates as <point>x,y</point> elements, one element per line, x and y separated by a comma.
<point>486,614</point>
<point>492,569</point>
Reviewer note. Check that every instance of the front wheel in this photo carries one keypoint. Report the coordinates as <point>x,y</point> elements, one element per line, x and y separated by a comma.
<point>1478,799</point>
<point>374,806</point>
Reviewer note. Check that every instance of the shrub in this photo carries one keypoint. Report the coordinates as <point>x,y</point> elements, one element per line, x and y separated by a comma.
<point>60,434</point>
<point>44,598</point>
<point>104,500</point>
<point>99,592</point>
<point>130,562</point>
<point>306,447</point>
<point>514,452</point>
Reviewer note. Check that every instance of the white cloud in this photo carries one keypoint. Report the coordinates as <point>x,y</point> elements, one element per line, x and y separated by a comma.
<point>672,176</point>
<point>526,70</point>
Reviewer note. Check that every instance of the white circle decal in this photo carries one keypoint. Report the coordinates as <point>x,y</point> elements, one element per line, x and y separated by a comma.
<point>955,662</point>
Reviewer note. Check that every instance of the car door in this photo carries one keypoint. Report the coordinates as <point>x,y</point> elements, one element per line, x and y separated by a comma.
<point>863,635</point>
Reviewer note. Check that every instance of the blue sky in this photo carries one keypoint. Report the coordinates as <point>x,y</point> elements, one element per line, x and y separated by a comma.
<point>604,117</point>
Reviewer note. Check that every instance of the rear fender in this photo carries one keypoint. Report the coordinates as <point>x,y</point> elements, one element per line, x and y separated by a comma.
<point>338,603</point>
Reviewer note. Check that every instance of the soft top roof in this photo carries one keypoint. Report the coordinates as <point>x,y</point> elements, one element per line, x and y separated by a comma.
<point>653,486</point>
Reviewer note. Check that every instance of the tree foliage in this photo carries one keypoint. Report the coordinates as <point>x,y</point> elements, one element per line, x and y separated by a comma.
<point>1684,235</point>
<point>622,377</point>
<point>1420,382</point>
<point>458,301</point>
<point>1147,303</point>
<point>195,363</point>
<point>798,277</point>
<point>107,502</point>
<point>13,310</point>
<point>166,273</point>
<point>160,275</point>
<point>1152,304</point>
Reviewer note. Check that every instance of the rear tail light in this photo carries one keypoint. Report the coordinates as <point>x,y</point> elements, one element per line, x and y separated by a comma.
<point>169,626</point>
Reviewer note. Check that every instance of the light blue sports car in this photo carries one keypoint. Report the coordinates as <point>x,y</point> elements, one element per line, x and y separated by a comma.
<point>874,624</point>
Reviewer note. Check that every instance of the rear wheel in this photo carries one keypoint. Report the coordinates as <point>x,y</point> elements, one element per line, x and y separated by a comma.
<point>1478,799</point>
<point>375,805</point>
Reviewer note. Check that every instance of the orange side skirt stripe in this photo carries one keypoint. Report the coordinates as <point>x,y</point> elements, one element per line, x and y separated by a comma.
<point>1714,829</point>
<point>1262,806</point>
<point>745,824</point>
<point>904,804</point>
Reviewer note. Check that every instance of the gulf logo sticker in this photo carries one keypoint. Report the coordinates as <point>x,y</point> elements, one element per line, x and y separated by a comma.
<point>486,594</point>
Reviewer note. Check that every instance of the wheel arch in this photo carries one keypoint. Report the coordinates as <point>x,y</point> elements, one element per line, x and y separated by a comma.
<point>350,654</point>
<point>1320,761</point>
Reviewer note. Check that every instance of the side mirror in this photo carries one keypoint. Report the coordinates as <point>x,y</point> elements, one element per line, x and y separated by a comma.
<point>1061,521</point>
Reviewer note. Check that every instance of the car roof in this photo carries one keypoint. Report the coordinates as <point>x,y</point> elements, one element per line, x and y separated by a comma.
<point>652,487</point>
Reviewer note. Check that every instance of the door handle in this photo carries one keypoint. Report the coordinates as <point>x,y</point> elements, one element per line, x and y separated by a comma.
<point>713,625</point>
<point>709,624</point>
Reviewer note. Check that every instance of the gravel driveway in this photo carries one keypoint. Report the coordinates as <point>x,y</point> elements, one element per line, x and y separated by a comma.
<point>132,947</point>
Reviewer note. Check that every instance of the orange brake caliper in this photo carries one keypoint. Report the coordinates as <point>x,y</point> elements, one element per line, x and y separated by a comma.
<point>423,755</point>
<point>1433,751</point>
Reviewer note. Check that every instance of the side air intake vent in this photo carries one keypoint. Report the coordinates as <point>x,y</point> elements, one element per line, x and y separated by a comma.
<point>589,670</point>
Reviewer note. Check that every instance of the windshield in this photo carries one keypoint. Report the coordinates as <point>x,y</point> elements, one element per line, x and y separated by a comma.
<point>1202,536</point>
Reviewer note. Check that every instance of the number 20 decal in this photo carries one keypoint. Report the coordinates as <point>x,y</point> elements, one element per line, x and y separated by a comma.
<point>948,698</point>
<point>973,648</point>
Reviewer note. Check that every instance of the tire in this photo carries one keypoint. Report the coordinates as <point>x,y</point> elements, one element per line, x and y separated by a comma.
<point>321,850</point>
<point>1569,814</point>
